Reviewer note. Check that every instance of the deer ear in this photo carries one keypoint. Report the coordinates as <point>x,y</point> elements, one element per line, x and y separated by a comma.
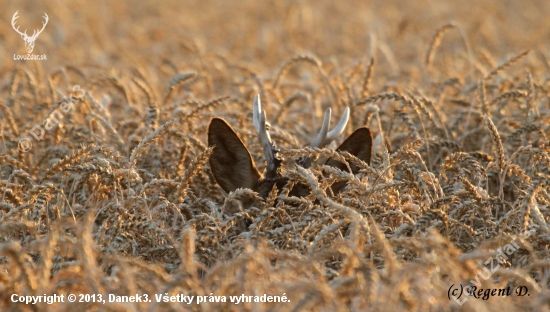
<point>230,162</point>
<point>359,144</point>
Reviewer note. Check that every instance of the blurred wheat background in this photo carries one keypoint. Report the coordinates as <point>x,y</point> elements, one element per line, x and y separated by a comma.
<point>117,196</point>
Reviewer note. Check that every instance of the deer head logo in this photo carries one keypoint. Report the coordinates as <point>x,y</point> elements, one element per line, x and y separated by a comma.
<point>29,40</point>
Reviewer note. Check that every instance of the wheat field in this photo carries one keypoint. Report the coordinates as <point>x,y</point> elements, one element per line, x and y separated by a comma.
<point>104,161</point>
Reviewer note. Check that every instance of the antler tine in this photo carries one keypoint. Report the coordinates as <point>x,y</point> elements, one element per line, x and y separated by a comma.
<point>334,133</point>
<point>325,137</point>
<point>45,22</point>
<point>15,16</point>
<point>256,112</point>
<point>324,130</point>
<point>260,124</point>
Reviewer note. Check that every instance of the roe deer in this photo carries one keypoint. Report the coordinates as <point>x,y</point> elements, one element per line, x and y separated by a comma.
<point>233,167</point>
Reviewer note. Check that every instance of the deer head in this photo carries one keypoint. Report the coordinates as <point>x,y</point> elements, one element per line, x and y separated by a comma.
<point>233,167</point>
<point>29,40</point>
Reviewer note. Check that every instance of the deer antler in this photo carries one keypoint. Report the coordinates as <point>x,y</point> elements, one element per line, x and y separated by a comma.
<point>325,137</point>
<point>261,126</point>
<point>35,34</point>
<point>15,16</point>
<point>24,34</point>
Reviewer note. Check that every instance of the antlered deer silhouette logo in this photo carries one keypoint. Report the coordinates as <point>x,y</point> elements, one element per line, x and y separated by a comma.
<point>29,40</point>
